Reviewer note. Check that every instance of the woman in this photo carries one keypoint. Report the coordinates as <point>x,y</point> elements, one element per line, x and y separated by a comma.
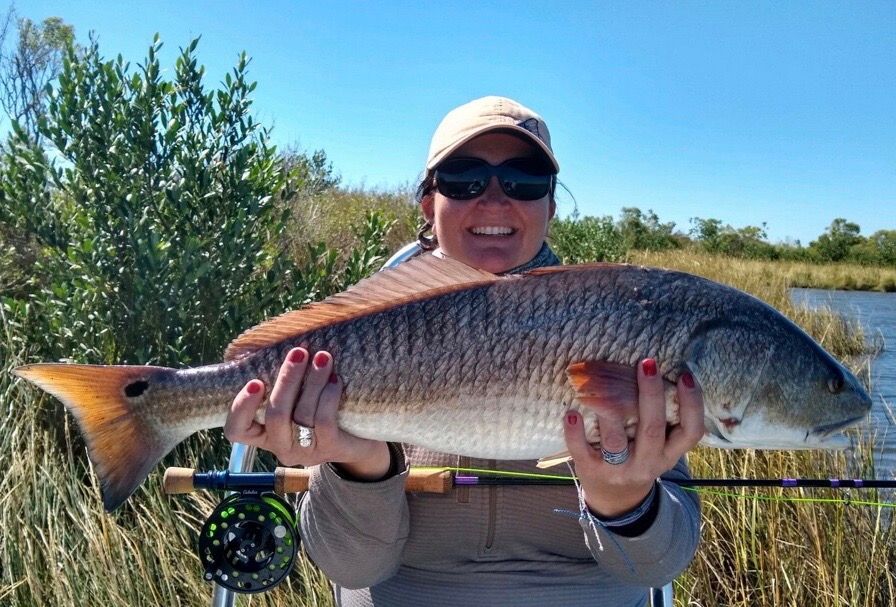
<point>487,195</point>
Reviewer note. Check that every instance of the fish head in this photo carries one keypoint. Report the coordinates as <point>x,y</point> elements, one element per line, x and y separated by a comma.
<point>768,385</point>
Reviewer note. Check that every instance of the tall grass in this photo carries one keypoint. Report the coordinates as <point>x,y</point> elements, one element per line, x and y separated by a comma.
<point>848,277</point>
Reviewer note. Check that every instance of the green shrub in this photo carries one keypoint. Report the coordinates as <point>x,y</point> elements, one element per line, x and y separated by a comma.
<point>586,240</point>
<point>644,231</point>
<point>158,232</point>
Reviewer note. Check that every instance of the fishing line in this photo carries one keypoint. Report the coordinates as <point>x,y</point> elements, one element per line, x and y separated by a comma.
<point>772,498</point>
<point>697,485</point>
<point>489,471</point>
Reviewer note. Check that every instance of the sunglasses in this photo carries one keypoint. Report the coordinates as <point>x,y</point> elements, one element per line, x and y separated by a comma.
<point>520,178</point>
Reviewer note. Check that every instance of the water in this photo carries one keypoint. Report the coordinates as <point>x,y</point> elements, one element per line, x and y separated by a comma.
<point>877,314</point>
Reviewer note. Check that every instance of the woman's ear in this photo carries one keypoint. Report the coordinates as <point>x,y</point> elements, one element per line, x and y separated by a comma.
<point>427,208</point>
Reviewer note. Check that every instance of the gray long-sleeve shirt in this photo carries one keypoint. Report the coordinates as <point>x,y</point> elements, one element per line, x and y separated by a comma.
<point>499,545</point>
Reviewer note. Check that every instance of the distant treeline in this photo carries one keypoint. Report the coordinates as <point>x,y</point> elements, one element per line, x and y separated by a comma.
<point>637,230</point>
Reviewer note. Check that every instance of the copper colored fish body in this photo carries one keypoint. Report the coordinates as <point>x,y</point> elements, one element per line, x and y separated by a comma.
<point>457,360</point>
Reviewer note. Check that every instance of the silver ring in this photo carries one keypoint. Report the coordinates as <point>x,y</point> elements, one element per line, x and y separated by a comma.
<point>304,436</point>
<point>615,458</point>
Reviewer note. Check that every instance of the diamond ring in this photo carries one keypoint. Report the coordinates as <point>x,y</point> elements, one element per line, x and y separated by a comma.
<point>304,436</point>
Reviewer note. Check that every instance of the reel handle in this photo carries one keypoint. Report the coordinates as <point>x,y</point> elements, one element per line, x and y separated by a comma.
<point>283,480</point>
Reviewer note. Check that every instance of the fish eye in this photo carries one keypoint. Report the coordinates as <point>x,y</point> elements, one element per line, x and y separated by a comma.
<point>835,384</point>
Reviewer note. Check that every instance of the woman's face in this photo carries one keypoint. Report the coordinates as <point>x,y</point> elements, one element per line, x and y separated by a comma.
<point>465,228</point>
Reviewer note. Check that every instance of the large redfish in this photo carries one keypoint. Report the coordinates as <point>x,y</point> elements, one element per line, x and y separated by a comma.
<point>458,360</point>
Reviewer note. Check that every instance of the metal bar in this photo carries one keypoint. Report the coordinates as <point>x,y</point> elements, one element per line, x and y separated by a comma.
<point>242,459</point>
<point>661,597</point>
<point>404,253</point>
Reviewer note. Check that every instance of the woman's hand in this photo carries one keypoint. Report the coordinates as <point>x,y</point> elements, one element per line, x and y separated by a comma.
<point>306,392</point>
<point>614,489</point>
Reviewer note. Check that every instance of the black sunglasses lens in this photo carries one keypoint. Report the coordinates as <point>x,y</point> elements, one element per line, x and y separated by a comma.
<point>525,179</point>
<point>462,178</point>
<point>520,178</point>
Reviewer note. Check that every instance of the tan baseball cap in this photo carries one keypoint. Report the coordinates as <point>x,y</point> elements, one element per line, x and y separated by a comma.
<point>486,114</point>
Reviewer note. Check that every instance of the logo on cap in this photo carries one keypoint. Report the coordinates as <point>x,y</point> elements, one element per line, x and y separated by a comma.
<point>531,125</point>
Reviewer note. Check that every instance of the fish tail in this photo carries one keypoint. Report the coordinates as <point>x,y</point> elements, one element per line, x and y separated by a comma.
<point>106,403</point>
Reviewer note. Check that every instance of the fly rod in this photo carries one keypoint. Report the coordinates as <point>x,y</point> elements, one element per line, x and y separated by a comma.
<point>439,480</point>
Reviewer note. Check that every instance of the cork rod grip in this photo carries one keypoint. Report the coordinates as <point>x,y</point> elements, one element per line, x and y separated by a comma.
<point>294,480</point>
<point>178,480</point>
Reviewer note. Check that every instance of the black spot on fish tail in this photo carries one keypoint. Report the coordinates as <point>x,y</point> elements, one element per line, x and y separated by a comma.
<point>136,388</point>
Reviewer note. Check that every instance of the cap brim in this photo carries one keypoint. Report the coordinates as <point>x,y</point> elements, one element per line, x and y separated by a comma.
<point>442,155</point>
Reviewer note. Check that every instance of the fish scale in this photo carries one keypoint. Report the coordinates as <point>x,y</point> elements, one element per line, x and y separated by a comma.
<point>453,359</point>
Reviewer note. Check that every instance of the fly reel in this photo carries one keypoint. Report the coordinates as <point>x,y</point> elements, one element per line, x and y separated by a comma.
<point>249,542</point>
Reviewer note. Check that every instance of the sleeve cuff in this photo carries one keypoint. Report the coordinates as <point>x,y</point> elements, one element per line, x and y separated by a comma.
<point>397,465</point>
<point>636,521</point>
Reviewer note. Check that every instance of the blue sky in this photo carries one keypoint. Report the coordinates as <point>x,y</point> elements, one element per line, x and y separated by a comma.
<point>748,112</point>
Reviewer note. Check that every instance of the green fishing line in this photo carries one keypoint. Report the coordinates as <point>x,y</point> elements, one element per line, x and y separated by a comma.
<point>491,472</point>
<point>701,490</point>
<point>772,498</point>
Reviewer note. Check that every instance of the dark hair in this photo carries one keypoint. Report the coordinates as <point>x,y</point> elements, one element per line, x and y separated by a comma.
<point>424,189</point>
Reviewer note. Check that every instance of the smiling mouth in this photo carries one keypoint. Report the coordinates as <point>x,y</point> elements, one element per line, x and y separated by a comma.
<point>492,231</point>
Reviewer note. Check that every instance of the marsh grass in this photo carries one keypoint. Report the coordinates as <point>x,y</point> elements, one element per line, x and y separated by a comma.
<point>58,547</point>
<point>842,276</point>
<point>776,547</point>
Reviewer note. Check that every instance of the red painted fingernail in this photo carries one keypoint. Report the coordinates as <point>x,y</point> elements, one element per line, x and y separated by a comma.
<point>333,378</point>
<point>687,379</point>
<point>571,419</point>
<point>297,356</point>
<point>320,360</point>
<point>649,366</point>
<point>254,387</point>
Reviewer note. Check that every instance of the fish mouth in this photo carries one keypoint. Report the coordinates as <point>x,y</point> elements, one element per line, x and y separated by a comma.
<point>826,430</point>
<point>711,425</point>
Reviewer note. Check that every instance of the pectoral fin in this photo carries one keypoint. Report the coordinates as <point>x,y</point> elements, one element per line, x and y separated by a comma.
<point>608,388</point>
